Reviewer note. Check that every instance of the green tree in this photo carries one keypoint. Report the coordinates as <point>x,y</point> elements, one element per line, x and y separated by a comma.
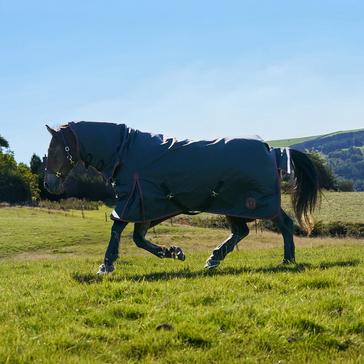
<point>30,179</point>
<point>37,169</point>
<point>17,183</point>
<point>345,185</point>
<point>326,175</point>
<point>36,165</point>
<point>13,186</point>
<point>3,143</point>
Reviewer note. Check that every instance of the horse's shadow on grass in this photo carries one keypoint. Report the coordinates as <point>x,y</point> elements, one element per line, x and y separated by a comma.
<point>186,273</point>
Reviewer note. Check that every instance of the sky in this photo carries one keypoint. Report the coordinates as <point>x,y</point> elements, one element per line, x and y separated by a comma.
<point>188,69</point>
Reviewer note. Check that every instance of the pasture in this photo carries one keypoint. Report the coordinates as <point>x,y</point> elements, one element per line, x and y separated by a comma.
<point>53,309</point>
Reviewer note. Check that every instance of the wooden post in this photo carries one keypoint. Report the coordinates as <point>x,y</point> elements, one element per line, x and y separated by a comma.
<point>82,213</point>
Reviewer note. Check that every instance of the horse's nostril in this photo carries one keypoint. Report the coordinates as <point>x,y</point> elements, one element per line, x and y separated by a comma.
<point>45,185</point>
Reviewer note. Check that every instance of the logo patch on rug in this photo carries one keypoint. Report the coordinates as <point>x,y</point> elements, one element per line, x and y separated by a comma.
<point>250,203</point>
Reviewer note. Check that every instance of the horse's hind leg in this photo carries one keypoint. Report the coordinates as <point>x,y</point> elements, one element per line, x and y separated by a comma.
<point>140,230</point>
<point>239,230</point>
<point>285,225</point>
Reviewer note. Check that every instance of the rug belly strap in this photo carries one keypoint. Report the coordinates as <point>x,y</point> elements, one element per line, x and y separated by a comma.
<point>172,198</point>
<point>186,210</point>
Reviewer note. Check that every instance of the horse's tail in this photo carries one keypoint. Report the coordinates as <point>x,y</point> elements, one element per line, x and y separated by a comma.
<point>306,192</point>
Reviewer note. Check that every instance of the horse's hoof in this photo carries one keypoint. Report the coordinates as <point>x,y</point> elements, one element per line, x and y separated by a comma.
<point>288,261</point>
<point>177,253</point>
<point>211,264</point>
<point>105,269</point>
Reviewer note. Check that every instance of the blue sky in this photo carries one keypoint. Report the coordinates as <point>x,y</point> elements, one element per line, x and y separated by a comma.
<point>190,69</point>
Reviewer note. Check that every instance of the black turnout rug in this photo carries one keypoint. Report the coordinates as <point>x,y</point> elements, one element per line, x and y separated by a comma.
<point>156,177</point>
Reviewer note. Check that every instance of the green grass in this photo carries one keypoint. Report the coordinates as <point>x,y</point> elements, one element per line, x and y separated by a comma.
<point>53,309</point>
<point>24,229</point>
<point>336,206</point>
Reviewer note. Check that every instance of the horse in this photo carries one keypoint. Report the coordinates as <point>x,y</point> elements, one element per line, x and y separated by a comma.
<point>156,178</point>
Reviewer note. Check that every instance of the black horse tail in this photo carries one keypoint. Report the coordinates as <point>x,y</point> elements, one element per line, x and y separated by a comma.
<point>306,191</point>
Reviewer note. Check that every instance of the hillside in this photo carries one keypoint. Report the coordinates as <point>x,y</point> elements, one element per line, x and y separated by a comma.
<point>280,143</point>
<point>295,141</point>
<point>344,151</point>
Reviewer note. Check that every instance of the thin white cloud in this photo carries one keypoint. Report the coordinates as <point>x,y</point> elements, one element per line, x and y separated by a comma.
<point>281,100</point>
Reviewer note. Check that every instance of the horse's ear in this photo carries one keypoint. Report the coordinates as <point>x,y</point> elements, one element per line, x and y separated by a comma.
<point>52,131</point>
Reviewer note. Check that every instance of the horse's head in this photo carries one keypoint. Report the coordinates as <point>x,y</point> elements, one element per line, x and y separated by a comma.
<point>62,157</point>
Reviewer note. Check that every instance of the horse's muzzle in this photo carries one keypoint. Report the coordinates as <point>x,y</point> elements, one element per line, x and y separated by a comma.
<point>53,184</point>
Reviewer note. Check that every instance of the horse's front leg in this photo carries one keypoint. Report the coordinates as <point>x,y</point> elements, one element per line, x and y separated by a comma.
<point>140,231</point>
<point>112,251</point>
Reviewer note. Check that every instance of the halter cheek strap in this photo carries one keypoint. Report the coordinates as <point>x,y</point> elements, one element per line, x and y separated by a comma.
<point>67,149</point>
<point>69,157</point>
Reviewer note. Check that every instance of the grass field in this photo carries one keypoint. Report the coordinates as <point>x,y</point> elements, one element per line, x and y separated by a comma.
<point>336,206</point>
<point>53,309</point>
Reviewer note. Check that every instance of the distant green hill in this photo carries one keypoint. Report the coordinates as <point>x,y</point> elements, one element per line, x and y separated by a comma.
<point>295,141</point>
<point>344,151</point>
<point>288,142</point>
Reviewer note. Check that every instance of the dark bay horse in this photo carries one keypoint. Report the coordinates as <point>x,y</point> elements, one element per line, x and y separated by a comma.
<point>156,178</point>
